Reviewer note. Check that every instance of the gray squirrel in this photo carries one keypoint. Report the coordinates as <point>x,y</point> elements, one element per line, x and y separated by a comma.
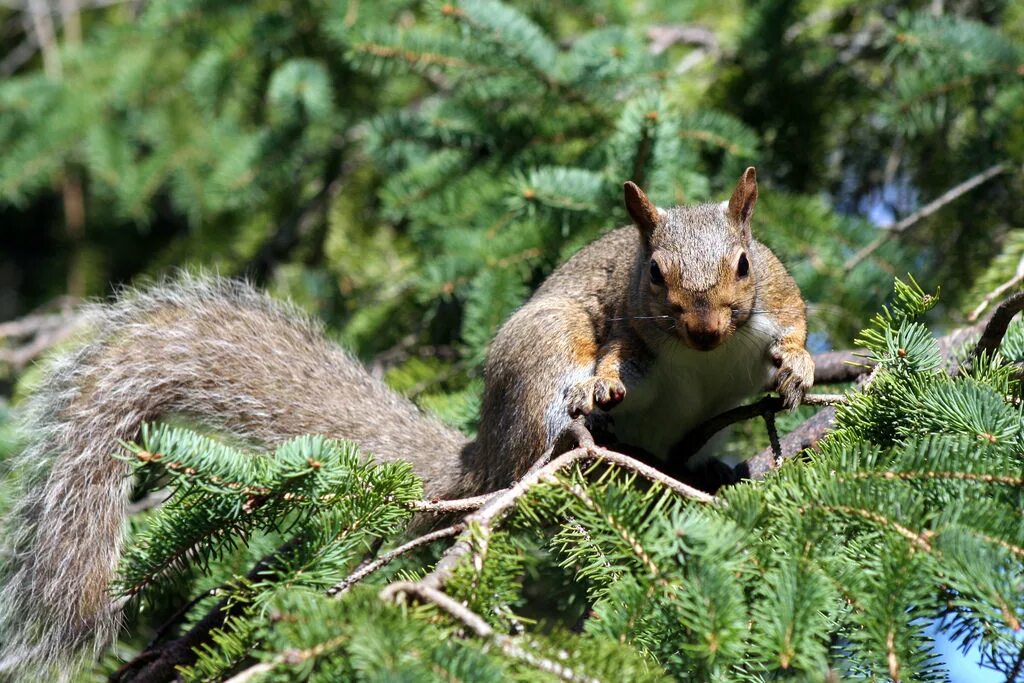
<point>658,326</point>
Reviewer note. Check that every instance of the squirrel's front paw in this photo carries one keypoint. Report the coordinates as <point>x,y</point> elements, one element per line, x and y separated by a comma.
<point>794,376</point>
<point>596,391</point>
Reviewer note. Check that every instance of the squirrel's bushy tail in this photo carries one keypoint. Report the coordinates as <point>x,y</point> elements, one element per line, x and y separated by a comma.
<point>215,351</point>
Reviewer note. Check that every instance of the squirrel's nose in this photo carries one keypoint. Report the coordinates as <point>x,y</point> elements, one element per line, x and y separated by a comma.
<point>703,338</point>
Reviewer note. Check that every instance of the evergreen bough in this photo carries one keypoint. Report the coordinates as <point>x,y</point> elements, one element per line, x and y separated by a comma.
<point>840,563</point>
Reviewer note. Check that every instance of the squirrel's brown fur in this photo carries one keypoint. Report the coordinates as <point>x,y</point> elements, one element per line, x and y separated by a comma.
<point>657,351</point>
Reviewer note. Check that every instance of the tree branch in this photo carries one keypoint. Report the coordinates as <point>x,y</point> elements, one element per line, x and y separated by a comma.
<point>159,663</point>
<point>805,436</point>
<point>1018,277</point>
<point>501,505</point>
<point>997,324</point>
<point>355,577</point>
<point>455,505</point>
<point>928,209</point>
<point>31,336</point>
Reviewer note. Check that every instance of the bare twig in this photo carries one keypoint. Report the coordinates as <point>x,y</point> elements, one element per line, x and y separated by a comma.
<point>30,336</point>
<point>663,37</point>
<point>33,324</point>
<point>501,505</point>
<point>805,436</point>
<point>1018,277</point>
<point>150,501</point>
<point>768,405</point>
<point>928,209</point>
<point>808,433</point>
<point>773,433</point>
<point>355,577</point>
<point>508,645</point>
<point>454,505</point>
<point>839,367</point>
<point>42,24</point>
<point>430,587</point>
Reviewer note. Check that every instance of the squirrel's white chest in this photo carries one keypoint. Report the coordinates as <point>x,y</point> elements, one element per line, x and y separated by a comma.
<point>681,387</point>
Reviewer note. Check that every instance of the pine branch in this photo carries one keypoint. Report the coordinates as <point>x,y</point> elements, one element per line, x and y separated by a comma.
<point>919,539</point>
<point>484,520</point>
<point>159,663</point>
<point>441,507</point>
<point>769,405</point>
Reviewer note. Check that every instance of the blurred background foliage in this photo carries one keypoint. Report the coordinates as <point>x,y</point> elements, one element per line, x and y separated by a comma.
<point>409,171</point>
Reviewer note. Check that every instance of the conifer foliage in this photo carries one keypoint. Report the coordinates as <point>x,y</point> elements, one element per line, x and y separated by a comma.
<point>835,565</point>
<point>412,170</point>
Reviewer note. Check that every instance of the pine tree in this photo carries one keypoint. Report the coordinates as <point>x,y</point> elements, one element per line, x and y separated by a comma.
<point>411,171</point>
<point>906,514</point>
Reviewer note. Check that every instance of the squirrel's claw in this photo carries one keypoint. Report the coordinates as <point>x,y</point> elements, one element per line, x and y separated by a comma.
<point>595,391</point>
<point>794,376</point>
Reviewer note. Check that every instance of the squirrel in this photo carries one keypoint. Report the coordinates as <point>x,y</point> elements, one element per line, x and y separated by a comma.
<point>658,326</point>
<point>655,327</point>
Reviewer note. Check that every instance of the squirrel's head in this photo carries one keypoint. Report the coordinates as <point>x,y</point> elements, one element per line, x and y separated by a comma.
<point>697,280</point>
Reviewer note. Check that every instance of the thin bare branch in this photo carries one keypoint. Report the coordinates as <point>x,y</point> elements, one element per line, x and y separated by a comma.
<point>150,501</point>
<point>805,436</point>
<point>355,577</point>
<point>768,405</point>
<point>33,335</point>
<point>1018,277</point>
<point>454,505</point>
<point>508,645</point>
<point>42,24</point>
<point>928,209</point>
<point>663,37</point>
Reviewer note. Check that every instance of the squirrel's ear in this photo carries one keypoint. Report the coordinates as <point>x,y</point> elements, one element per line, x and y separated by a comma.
<point>643,213</point>
<point>744,197</point>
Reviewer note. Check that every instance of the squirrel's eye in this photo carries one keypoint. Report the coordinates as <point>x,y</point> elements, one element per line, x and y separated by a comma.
<point>743,267</point>
<point>656,277</point>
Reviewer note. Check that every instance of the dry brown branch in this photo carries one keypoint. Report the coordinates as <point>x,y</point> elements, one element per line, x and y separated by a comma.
<point>455,505</point>
<point>508,645</point>
<point>805,436</point>
<point>1018,277</point>
<point>502,504</point>
<point>808,433</point>
<point>430,587</point>
<point>355,577</point>
<point>839,367</point>
<point>773,434</point>
<point>928,209</point>
<point>31,336</point>
<point>768,405</point>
